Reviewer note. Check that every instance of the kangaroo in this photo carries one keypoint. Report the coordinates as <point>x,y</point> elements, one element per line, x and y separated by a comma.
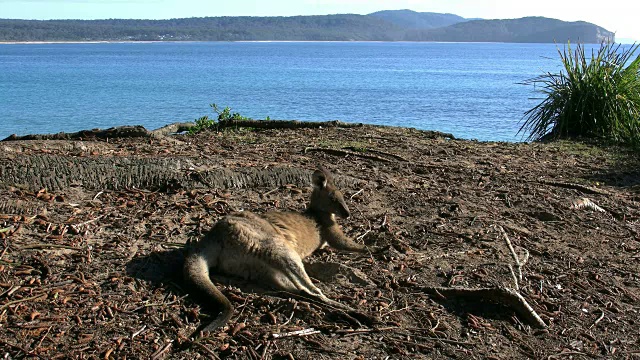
<point>269,248</point>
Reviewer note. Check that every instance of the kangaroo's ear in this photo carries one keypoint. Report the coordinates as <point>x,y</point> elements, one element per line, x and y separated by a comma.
<point>319,179</point>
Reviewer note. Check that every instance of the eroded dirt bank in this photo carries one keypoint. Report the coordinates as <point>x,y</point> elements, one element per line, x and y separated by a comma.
<point>92,233</point>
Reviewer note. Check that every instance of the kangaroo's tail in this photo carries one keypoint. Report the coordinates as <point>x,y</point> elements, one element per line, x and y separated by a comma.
<point>196,273</point>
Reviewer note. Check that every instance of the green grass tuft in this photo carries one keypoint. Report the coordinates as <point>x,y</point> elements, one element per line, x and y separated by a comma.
<point>596,98</point>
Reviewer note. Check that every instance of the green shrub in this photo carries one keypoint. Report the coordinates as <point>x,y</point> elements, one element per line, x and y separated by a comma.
<point>202,124</point>
<point>205,123</point>
<point>226,115</point>
<point>597,98</point>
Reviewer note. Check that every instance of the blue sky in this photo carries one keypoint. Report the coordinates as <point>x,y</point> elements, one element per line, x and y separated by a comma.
<point>614,15</point>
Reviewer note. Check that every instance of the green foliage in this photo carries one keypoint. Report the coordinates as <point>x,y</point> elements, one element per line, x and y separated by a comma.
<point>226,115</point>
<point>205,123</point>
<point>597,98</point>
<point>202,124</point>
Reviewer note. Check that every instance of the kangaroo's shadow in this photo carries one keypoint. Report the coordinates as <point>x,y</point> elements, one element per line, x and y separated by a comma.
<point>484,308</point>
<point>158,268</point>
<point>163,270</point>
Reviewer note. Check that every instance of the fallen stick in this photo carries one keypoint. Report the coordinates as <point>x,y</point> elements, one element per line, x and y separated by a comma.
<point>503,295</point>
<point>303,332</point>
<point>20,348</point>
<point>515,256</point>
<point>206,349</point>
<point>338,152</point>
<point>161,352</point>
<point>598,320</point>
<point>41,340</point>
<point>421,256</point>
<point>448,341</point>
<point>138,332</point>
<point>364,331</point>
<point>379,152</point>
<point>7,229</point>
<point>44,246</point>
<point>516,282</point>
<point>582,188</point>
<point>37,297</point>
<point>78,227</point>
<point>158,304</point>
<point>356,194</point>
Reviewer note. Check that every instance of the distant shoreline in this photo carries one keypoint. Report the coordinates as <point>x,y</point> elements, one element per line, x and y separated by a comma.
<point>260,41</point>
<point>249,41</point>
<point>237,41</point>
<point>80,42</point>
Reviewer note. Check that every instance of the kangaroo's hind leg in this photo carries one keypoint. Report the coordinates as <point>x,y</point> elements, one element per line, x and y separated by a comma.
<point>291,272</point>
<point>292,277</point>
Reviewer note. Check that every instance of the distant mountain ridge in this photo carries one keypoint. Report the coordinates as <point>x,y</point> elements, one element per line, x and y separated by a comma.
<point>388,25</point>
<point>523,30</point>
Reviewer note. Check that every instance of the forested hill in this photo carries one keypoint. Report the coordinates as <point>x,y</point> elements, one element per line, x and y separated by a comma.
<point>314,28</point>
<point>397,25</point>
<point>524,30</point>
<point>418,20</point>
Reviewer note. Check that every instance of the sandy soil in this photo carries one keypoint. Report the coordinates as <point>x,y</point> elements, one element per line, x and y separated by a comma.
<point>90,271</point>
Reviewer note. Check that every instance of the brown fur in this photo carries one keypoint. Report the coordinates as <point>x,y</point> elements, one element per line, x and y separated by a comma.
<point>269,248</point>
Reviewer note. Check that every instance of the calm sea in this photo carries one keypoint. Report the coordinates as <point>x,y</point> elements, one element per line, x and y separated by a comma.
<point>470,90</point>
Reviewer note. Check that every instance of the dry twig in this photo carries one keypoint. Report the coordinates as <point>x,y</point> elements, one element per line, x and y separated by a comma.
<point>519,263</point>
<point>160,353</point>
<point>206,349</point>
<point>303,332</point>
<point>338,152</point>
<point>598,320</point>
<point>583,188</point>
<point>394,156</point>
<point>33,298</point>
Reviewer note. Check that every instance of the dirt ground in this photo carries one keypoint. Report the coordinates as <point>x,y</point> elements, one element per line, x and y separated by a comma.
<point>92,269</point>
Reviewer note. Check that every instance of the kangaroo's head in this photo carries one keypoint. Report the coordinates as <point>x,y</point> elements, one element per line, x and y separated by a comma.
<point>326,198</point>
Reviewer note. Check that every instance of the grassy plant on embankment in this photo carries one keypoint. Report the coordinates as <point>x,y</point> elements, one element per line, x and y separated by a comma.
<point>595,98</point>
<point>205,123</point>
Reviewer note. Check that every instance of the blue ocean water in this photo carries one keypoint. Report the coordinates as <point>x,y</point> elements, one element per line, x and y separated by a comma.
<point>468,89</point>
